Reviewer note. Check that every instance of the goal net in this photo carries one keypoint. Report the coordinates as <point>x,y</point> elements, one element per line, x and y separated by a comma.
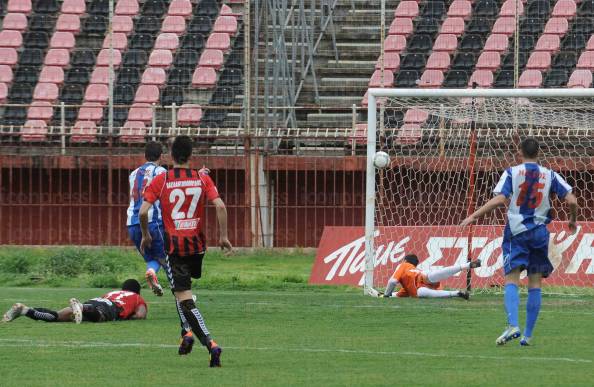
<point>448,149</point>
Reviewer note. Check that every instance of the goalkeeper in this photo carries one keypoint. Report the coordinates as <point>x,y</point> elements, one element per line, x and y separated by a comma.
<point>416,283</point>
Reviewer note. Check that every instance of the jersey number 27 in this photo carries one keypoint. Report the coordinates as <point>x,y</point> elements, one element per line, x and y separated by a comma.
<point>178,197</point>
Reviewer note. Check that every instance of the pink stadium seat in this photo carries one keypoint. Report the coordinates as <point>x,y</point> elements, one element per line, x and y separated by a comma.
<point>453,25</point>
<point>489,60</point>
<point>376,79</point>
<point>564,8</point>
<point>154,76</point>
<point>482,78</point>
<point>133,132</point>
<point>76,7</point>
<point>15,21</point>
<point>96,93</point>
<point>586,60</point>
<point>84,131</point>
<point>46,92</point>
<point>174,24</point>
<point>409,134</point>
<point>100,75</point>
<point>550,43</point>
<point>504,25</point>
<point>167,41</point>
<point>219,41</point>
<point>40,110</point>
<point>415,116</point>
<point>189,115</point>
<point>147,94</point>
<point>226,24</point>
<point>511,7</point>
<point>391,61</point>
<point>103,58</point>
<point>34,131</point>
<point>407,9</point>
<point>68,23</point>
<point>401,26</point>
<point>140,112</point>
<point>530,79</point>
<point>90,111</point>
<point>204,77</point>
<point>9,38</point>
<point>580,79</point>
<point>122,23</point>
<point>19,6</point>
<point>445,42</point>
<point>590,44</point>
<point>395,43</point>
<point>431,79</point>
<point>8,56</point>
<point>211,58</point>
<point>496,42</point>
<point>460,8</point>
<point>227,11</point>
<point>57,57</point>
<point>62,39</point>
<point>120,41</point>
<point>180,8</point>
<point>556,26</point>
<point>160,58</point>
<point>126,7</point>
<point>438,60</point>
<point>5,74</point>
<point>52,74</point>
<point>3,92</point>
<point>539,60</point>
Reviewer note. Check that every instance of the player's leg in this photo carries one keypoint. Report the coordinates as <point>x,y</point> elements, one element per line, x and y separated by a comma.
<point>532,306</point>
<point>39,314</point>
<point>425,292</point>
<point>446,272</point>
<point>150,256</point>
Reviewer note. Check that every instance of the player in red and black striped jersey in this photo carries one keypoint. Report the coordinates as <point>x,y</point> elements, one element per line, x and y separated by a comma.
<point>183,193</point>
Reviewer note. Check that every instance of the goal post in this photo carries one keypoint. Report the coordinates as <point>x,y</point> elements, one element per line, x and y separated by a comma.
<point>448,148</point>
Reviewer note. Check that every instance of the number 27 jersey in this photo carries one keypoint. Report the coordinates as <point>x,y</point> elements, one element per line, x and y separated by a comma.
<point>183,194</point>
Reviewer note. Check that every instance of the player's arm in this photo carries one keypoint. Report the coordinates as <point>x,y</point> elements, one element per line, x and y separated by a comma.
<point>571,201</point>
<point>222,220</point>
<point>139,313</point>
<point>144,221</point>
<point>498,201</point>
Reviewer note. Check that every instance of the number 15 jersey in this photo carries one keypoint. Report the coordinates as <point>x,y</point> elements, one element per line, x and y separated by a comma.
<point>183,194</point>
<point>529,187</point>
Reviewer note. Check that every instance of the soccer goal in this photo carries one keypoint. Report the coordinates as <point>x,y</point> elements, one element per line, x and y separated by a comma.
<point>448,149</point>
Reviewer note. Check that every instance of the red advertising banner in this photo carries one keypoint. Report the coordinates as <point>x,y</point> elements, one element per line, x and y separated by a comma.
<point>340,257</point>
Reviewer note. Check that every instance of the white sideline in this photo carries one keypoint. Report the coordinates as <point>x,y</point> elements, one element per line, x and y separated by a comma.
<point>91,344</point>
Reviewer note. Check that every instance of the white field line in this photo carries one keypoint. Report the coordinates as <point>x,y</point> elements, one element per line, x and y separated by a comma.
<point>86,344</point>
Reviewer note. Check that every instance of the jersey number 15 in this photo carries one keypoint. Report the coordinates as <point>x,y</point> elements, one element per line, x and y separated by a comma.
<point>531,194</point>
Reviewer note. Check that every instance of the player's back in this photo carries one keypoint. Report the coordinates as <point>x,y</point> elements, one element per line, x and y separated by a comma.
<point>407,275</point>
<point>140,178</point>
<point>126,300</point>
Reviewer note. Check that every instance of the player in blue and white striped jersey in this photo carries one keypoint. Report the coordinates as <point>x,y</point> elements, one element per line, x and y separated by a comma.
<point>527,190</point>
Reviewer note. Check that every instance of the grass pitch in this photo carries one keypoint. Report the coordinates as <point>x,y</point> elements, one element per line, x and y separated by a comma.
<point>309,336</point>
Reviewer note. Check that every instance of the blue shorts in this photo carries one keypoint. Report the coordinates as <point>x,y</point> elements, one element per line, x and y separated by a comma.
<point>528,250</point>
<point>157,249</point>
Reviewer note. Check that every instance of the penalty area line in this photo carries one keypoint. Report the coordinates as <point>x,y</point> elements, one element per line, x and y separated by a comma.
<point>96,344</point>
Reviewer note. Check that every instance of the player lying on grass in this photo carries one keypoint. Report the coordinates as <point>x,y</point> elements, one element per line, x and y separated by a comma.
<point>125,304</point>
<point>527,190</point>
<point>416,283</point>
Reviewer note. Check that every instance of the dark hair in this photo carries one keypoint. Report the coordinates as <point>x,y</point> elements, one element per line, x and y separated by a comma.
<point>412,259</point>
<point>529,147</point>
<point>152,151</point>
<point>131,285</point>
<point>181,150</point>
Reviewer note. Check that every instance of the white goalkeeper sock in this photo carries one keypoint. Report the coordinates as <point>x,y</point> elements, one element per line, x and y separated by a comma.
<point>446,272</point>
<point>390,287</point>
<point>432,293</point>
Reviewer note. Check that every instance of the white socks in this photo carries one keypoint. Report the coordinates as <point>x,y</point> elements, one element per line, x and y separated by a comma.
<point>446,272</point>
<point>432,293</point>
<point>390,287</point>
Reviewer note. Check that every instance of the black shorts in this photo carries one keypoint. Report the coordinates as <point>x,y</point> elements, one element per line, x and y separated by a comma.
<point>182,269</point>
<point>100,310</point>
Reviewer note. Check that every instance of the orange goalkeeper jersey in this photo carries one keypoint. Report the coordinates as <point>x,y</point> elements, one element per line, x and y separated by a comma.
<point>411,278</point>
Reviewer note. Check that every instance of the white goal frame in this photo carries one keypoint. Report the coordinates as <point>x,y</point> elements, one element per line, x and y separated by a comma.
<point>375,93</point>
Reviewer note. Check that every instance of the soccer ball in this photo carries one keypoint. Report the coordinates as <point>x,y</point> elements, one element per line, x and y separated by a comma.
<point>381,160</point>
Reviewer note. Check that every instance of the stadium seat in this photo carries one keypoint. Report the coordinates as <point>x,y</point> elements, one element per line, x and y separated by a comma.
<point>479,26</point>
<point>96,93</point>
<point>539,60</point>
<point>463,61</point>
<point>135,58</point>
<point>153,76</point>
<point>419,43</point>
<point>179,77</point>
<point>153,8</point>
<point>488,60</point>
<point>29,57</point>
<point>71,94</point>
<point>90,111</point>
<point>211,58</point>
<point>223,96</point>
<point>189,115</point>
<point>431,79</point>
<point>456,79</point>
<point>120,41</point>
<point>538,9</point>
<point>103,57</point>
<point>19,6</point>
<point>34,131</point>
<point>481,78</point>
<point>51,74</point>
<point>141,112</point>
<point>126,8</point>
<point>40,110</point>
<point>75,7</point>
<point>413,61</point>
<point>406,78</point>
<point>376,79</point>
<point>147,25</point>
<point>208,8</point>
<point>526,43</point>
<point>6,74</point>
<point>531,25</point>
<point>99,7</point>
<point>497,42</point>
<point>10,39</point>
<point>84,131</point>
<point>409,134</point>
<point>590,44</point>
<point>46,92</point>
<point>46,6</point>
<point>128,76</point>
<point>395,43</point>
<point>57,57</point>
<point>100,75</point>
<point>574,42</point>
<point>548,43</point>
<point>486,8</point>
<point>204,77</point>
<point>582,26</point>
<point>438,60</point>
<point>586,8</point>
<point>227,11</point>
<point>530,79</point>
<point>557,26</point>
<point>471,42</point>
<point>586,60</point>
<point>556,78</point>
<point>193,42</point>
<point>565,60</point>
<point>3,92</point>
<point>147,94</point>
<point>160,58</point>
<point>445,42</point>
<point>505,26</point>
<point>133,132</point>
<point>225,24</point>
<point>580,78</point>
<point>391,61</point>
<point>167,41</point>
<point>512,8</point>
<point>231,77</point>
<point>407,8</point>
<point>36,39</point>
<point>77,75</point>
<point>564,8</point>
<point>122,23</point>
<point>453,25</point>
<point>200,25</point>
<point>62,39</point>
<point>401,26</point>
<point>15,21</point>
<point>174,24</point>
<point>460,8</point>
<point>95,25</point>
<point>171,95</point>
<point>68,23</point>
<point>415,116</point>
<point>143,42</point>
<point>433,9</point>
<point>219,41</point>
<point>123,94</point>
<point>180,8</point>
